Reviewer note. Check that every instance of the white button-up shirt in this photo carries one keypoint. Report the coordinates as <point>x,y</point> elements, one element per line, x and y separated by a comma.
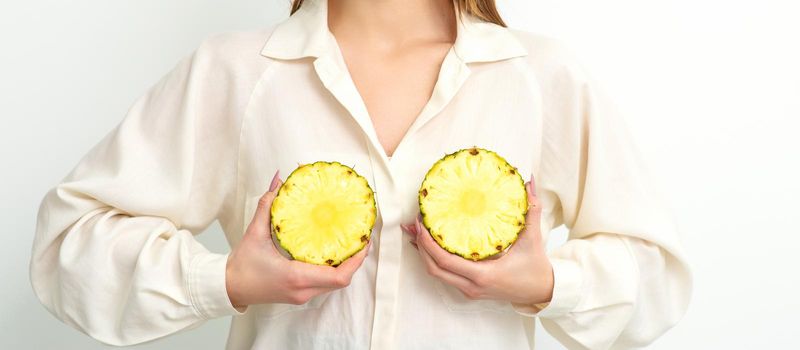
<point>115,254</point>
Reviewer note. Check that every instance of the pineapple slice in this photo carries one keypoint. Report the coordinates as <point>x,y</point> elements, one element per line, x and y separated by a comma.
<point>473,203</point>
<point>323,213</point>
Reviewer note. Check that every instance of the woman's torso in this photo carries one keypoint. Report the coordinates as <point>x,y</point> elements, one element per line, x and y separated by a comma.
<point>305,107</point>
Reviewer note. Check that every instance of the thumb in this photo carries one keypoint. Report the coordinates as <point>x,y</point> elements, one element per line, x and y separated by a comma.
<point>260,225</point>
<point>532,230</point>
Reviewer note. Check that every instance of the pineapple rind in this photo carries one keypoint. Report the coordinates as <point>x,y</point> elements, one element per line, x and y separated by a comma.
<point>426,220</point>
<point>332,261</point>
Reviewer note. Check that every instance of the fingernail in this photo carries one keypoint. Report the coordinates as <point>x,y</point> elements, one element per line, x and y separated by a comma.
<point>274,183</point>
<point>533,185</point>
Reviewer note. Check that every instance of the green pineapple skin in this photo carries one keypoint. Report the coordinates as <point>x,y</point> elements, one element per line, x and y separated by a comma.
<point>427,224</point>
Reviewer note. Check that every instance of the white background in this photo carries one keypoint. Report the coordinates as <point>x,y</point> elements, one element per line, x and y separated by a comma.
<point>711,89</point>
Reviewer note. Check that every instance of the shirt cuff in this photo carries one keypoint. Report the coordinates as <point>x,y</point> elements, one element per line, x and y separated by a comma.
<point>567,283</point>
<point>207,288</point>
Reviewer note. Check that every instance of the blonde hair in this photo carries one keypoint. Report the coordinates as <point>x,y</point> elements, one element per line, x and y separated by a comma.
<point>483,9</point>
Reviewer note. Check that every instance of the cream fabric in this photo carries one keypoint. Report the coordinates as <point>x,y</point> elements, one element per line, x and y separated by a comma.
<point>115,254</point>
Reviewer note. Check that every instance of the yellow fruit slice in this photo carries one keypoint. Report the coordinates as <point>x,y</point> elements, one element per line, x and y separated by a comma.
<point>324,213</point>
<point>473,202</point>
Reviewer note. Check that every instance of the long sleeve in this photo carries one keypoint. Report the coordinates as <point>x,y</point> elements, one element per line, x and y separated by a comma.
<point>621,279</point>
<point>114,253</point>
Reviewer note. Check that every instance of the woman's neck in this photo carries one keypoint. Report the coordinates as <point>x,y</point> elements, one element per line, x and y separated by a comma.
<point>390,24</point>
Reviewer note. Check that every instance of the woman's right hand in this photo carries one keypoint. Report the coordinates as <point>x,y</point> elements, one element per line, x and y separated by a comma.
<point>257,273</point>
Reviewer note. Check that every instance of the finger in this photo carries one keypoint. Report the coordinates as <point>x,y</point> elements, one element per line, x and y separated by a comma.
<point>261,219</point>
<point>532,231</point>
<point>276,179</point>
<point>410,229</point>
<point>444,259</point>
<point>533,216</point>
<point>310,275</point>
<point>497,255</point>
<point>351,264</point>
<point>448,277</point>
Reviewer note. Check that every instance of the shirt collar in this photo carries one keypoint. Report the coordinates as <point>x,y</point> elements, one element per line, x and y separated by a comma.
<point>305,33</point>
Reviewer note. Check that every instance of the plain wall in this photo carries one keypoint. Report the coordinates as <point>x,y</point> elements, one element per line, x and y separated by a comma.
<point>711,89</point>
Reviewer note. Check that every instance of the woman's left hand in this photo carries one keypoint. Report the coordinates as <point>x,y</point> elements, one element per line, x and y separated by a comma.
<point>522,275</point>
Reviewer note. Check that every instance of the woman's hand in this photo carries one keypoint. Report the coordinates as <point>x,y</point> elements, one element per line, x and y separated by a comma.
<point>522,275</point>
<point>257,273</point>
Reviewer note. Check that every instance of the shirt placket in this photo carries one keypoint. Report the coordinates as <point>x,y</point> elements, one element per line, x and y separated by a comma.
<point>333,73</point>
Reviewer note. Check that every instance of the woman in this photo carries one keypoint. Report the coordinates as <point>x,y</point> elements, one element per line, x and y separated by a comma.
<point>388,87</point>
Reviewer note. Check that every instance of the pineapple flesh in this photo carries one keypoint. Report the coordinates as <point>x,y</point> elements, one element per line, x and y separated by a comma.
<point>473,203</point>
<point>324,213</point>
